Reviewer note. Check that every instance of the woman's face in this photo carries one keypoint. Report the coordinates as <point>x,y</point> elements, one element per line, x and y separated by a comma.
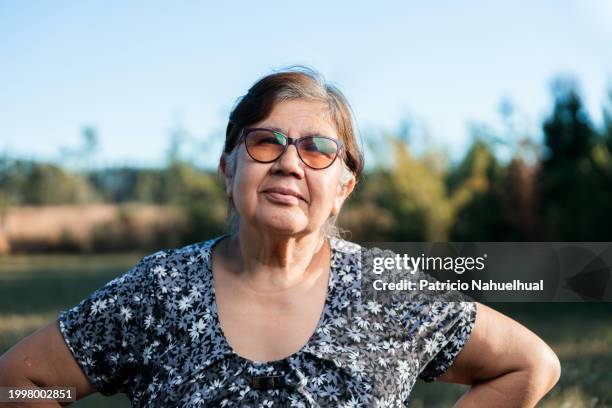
<point>255,186</point>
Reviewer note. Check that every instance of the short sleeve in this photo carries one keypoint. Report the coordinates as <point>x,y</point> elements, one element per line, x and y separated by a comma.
<point>440,331</point>
<point>106,332</point>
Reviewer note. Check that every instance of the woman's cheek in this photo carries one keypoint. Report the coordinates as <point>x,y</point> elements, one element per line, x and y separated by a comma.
<point>245,197</point>
<point>322,205</point>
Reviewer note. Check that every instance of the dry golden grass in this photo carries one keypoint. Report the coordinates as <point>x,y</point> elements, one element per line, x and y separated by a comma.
<point>19,323</point>
<point>50,227</point>
<point>49,222</point>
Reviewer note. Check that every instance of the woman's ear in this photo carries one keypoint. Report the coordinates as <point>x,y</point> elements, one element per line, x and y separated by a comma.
<point>344,191</point>
<point>227,172</point>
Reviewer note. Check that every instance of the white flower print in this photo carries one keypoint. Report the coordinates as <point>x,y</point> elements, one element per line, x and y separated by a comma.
<point>114,358</point>
<point>147,354</point>
<point>430,345</point>
<point>355,334</point>
<point>195,293</point>
<point>126,312</point>
<point>197,328</point>
<point>352,403</point>
<point>362,323</point>
<point>377,326</point>
<point>331,391</point>
<point>373,307</point>
<point>385,402</point>
<point>320,379</point>
<point>197,398</point>
<point>98,306</point>
<point>373,347</point>
<point>216,383</point>
<point>403,368</point>
<point>338,321</point>
<point>364,352</point>
<point>184,304</point>
<point>348,278</point>
<point>160,271</point>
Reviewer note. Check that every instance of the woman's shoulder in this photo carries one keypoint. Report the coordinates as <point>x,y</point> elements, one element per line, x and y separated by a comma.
<point>345,247</point>
<point>175,267</point>
<point>185,255</point>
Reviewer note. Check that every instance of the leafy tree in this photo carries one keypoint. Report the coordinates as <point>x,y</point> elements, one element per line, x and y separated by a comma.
<point>38,183</point>
<point>476,196</point>
<point>201,198</point>
<point>574,180</point>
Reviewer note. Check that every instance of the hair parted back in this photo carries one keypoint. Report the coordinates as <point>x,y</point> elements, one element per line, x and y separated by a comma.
<point>289,84</point>
<point>296,82</point>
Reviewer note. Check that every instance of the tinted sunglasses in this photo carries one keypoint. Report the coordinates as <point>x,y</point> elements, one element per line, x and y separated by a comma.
<point>267,145</point>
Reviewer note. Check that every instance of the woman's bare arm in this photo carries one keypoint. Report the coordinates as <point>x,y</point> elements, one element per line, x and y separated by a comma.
<point>506,364</point>
<point>43,360</point>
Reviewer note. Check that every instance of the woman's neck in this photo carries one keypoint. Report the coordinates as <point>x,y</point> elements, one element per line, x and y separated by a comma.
<point>276,263</point>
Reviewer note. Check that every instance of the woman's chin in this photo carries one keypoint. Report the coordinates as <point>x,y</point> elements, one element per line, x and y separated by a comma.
<point>283,229</point>
<point>283,225</point>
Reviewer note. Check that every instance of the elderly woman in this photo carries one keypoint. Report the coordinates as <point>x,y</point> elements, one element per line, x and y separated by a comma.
<point>271,314</point>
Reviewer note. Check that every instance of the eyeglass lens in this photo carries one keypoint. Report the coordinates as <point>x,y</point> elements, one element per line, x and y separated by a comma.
<point>315,151</point>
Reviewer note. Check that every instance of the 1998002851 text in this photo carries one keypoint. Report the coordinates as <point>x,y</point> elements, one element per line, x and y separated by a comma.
<point>20,394</point>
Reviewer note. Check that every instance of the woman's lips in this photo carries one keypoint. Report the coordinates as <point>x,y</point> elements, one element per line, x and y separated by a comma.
<point>281,198</point>
<point>283,195</point>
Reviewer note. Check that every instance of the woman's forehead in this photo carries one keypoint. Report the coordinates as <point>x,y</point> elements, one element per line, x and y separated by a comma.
<point>300,117</point>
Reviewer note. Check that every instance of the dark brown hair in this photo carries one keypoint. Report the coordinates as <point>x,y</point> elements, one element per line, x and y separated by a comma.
<point>290,84</point>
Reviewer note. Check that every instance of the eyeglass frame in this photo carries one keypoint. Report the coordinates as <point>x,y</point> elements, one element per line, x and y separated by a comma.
<point>290,141</point>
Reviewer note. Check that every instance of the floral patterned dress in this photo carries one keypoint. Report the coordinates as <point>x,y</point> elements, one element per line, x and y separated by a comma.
<point>154,335</point>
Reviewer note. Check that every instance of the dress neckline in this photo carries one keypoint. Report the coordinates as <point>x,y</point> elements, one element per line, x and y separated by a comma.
<point>323,319</point>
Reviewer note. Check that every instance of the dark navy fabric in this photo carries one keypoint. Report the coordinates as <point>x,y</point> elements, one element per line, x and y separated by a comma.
<point>153,334</point>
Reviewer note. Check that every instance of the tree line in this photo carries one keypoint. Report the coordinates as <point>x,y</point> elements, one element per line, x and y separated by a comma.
<point>556,190</point>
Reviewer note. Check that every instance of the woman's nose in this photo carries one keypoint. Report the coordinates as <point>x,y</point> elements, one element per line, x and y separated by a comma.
<point>290,162</point>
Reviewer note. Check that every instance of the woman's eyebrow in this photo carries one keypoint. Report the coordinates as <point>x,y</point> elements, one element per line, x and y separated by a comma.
<point>276,129</point>
<point>308,132</point>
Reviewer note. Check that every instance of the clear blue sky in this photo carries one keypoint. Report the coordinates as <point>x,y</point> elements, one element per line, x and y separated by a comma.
<point>135,70</point>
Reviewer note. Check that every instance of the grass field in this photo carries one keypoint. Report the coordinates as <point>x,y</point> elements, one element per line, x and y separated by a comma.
<point>34,289</point>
